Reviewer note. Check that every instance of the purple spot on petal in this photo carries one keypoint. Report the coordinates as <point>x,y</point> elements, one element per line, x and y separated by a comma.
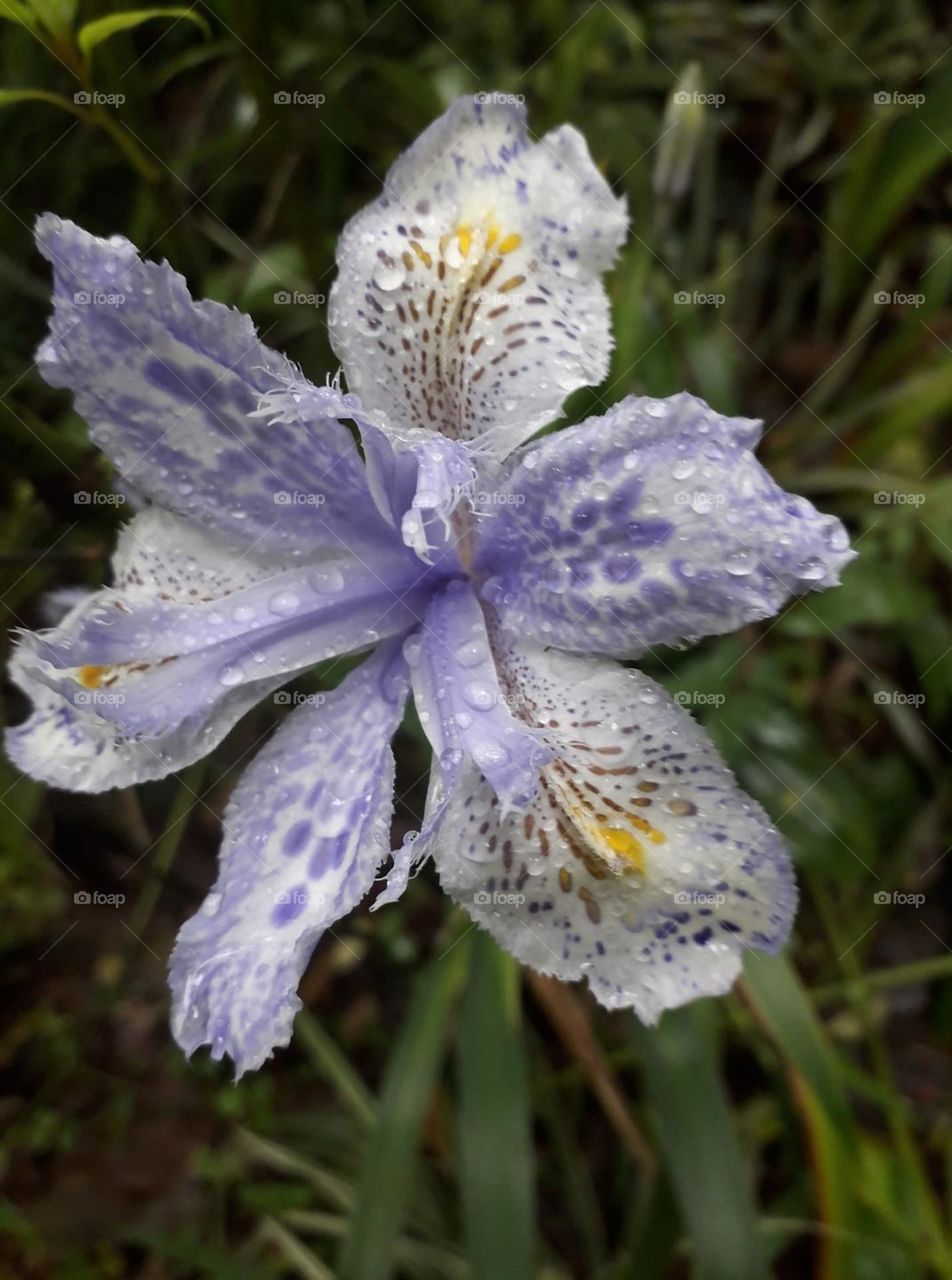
<point>296,838</point>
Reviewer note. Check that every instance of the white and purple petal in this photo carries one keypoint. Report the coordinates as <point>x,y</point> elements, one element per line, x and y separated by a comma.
<point>416,478</point>
<point>640,866</point>
<point>469,298</point>
<point>652,524</point>
<point>304,835</point>
<point>467,715</point>
<point>143,677</point>
<point>170,388</point>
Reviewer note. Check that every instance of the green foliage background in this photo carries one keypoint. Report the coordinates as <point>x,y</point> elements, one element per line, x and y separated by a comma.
<point>440,1113</point>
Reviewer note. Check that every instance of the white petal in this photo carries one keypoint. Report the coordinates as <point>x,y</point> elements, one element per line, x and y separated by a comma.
<point>469,299</point>
<point>641,866</point>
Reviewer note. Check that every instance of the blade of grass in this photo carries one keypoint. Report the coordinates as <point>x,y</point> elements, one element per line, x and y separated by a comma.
<point>781,1006</point>
<point>386,1177</point>
<point>496,1156</point>
<point>335,1068</point>
<point>697,1135</point>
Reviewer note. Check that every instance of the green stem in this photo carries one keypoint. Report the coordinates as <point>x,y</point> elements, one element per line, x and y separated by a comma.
<point>166,847</point>
<point>884,979</point>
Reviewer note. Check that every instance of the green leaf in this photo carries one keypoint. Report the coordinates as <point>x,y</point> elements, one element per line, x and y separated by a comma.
<point>387,1171</point>
<point>16,11</point>
<point>10,97</point>
<point>781,1005</point>
<point>698,1137</point>
<point>94,33</point>
<point>56,15</point>
<point>495,1120</point>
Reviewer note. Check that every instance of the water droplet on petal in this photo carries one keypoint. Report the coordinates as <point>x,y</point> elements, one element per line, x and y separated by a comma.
<point>326,579</point>
<point>478,695</point>
<point>284,603</point>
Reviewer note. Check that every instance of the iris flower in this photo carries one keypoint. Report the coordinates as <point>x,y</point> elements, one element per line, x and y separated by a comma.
<point>575,810</point>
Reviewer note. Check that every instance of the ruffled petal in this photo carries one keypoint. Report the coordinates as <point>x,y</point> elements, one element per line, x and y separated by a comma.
<point>469,298</point>
<point>466,713</point>
<point>653,524</point>
<point>641,865</point>
<point>170,389</point>
<point>304,834</point>
<point>416,478</point>
<point>462,703</point>
<point>143,677</point>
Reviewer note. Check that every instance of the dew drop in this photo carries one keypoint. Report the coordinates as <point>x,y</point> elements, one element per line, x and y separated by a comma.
<point>284,603</point>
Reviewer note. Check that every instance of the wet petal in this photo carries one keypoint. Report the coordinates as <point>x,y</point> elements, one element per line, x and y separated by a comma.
<point>416,478</point>
<point>467,715</point>
<point>469,299</point>
<point>641,865</point>
<point>143,677</point>
<point>170,389</point>
<point>649,525</point>
<point>462,703</point>
<point>305,832</point>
